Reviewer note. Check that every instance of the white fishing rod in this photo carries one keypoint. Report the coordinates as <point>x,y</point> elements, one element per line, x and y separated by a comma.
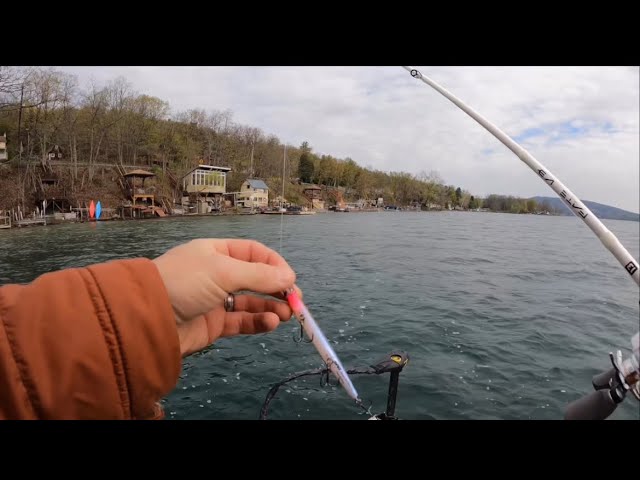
<point>607,238</point>
<point>612,385</point>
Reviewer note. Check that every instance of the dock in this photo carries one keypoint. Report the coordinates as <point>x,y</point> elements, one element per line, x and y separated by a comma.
<point>5,220</point>
<point>27,222</point>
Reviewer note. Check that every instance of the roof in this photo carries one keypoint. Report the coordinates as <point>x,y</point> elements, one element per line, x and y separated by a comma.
<point>311,187</point>
<point>257,184</point>
<point>211,168</point>
<point>139,173</point>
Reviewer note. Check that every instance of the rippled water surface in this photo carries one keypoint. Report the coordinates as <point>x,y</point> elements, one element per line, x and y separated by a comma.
<point>503,316</point>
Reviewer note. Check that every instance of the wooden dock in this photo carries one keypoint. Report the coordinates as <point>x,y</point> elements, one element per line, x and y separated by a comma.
<point>27,222</point>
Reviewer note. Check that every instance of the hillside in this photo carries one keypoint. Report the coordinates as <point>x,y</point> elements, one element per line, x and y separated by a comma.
<point>81,137</point>
<point>599,210</point>
<point>66,142</point>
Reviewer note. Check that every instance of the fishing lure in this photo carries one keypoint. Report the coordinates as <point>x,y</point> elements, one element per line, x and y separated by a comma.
<point>321,343</point>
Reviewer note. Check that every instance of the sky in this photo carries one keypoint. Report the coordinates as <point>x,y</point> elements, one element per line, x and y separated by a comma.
<point>581,123</point>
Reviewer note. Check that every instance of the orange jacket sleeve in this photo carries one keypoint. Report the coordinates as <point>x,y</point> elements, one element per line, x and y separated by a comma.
<point>88,343</point>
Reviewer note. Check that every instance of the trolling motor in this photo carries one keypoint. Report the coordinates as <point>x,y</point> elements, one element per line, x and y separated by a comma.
<point>610,387</point>
<point>393,363</point>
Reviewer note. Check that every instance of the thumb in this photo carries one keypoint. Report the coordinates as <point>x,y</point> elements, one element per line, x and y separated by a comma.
<point>234,274</point>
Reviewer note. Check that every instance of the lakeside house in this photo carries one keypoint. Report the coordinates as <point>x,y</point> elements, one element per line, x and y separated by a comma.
<point>55,153</point>
<point>3,148</point>
<point>205,185</point>
<point>253,193</point>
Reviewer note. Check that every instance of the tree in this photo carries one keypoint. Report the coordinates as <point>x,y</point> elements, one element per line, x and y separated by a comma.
<point>305,168</point>
<point>110,123</point>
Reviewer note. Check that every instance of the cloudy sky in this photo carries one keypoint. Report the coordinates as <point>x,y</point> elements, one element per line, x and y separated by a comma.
<point>580,122</point>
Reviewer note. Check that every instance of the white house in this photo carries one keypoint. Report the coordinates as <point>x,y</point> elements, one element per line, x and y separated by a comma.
<point>204,187</point>
<point>253,194</point>
<point>206,180</point>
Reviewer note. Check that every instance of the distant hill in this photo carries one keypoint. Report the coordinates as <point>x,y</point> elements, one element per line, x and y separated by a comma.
<point>601,211</point>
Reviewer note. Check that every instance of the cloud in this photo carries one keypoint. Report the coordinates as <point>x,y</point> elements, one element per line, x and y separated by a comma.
<point>580,122</point>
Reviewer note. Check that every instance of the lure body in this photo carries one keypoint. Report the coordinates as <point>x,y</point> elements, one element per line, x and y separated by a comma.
<point>321,343</point>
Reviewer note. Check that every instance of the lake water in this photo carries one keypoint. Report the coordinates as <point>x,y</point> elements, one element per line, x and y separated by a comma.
<point>503,316</point>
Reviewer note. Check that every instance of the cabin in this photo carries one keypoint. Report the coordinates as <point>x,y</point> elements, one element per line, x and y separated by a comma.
<point>253,194</point>
<point>205,187</point>
<point>55,153</point>
<point>3,148</point>
<point>206,180</point>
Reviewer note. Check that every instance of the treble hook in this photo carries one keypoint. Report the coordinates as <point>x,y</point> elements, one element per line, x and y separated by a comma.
<point>326,375</point>
<point>301,337</point>
<point>322,377</point>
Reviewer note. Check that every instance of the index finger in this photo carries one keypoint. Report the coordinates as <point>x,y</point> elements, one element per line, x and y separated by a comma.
<point>250,251</point>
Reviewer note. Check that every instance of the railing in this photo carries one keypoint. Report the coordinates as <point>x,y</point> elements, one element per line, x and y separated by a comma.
<point>142,191</point>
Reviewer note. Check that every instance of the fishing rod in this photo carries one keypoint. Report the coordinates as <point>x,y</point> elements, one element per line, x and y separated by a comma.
<point>608,239</point>
<point>610,386</point>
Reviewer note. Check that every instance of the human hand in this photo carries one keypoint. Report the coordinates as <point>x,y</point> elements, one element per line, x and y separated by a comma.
<point>199,275</point>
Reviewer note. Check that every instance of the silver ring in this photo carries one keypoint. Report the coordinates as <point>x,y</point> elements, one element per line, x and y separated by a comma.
<point>229,302</point>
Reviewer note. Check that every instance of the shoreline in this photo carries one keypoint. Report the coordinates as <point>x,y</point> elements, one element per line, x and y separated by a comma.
<point>50,221</point>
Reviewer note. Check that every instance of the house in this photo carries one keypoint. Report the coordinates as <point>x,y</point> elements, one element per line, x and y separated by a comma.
<point>205,187</point>
<point>55,153</point>
<point>3,148</point>
<point>206,180</point>
<point>253,194</point>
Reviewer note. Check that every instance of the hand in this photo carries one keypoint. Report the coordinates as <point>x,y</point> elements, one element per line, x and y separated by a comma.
<point>199,275</point>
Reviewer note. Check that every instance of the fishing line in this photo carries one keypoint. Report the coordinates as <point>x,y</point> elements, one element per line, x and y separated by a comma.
<point>608,239</point>
<point>284,160</point>
<point>324,373</point>
<point>306,320</point>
